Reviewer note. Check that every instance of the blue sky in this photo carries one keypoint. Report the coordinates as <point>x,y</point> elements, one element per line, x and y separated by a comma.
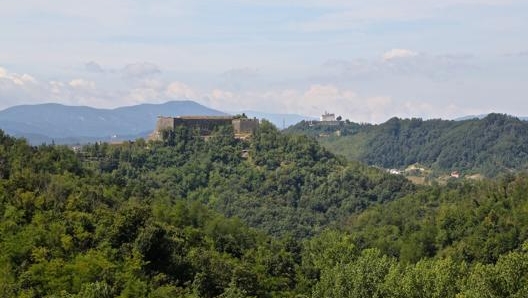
<point>364,60</point>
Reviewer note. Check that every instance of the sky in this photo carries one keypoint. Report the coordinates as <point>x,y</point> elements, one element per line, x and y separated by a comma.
<point>367,61</point>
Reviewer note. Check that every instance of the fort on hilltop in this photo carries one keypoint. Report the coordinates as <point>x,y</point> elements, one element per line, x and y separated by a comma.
<point>205,125</point>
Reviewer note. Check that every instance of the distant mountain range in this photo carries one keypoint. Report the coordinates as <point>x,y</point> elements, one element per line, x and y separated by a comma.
<point>61,124</point>
<point>46,123</point>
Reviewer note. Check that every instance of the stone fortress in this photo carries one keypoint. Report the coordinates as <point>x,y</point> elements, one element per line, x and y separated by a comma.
<point>205,125</point>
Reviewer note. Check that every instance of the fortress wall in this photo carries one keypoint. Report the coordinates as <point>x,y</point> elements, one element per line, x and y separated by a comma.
<point>204,125</point>
<point>164,123</point>
<point>245,126</point>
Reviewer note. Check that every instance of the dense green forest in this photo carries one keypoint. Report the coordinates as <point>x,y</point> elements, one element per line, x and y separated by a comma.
<point>275,216</point>
<point>490,146</point>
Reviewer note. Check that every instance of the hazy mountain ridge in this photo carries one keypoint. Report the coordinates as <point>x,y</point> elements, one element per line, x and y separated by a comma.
<point>72,124</point>
<point>52,122</point>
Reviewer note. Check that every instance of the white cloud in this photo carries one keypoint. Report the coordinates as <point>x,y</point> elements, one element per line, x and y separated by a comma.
<point>82,84</point>
<point>312,100</point>
<point>142,95</point>
<point>17,79</point>
<point>218,94</point>
<point>398,53</point>
<point>56,87</point>
<point>18,88</point>
<point>411,85</point>
<point>345,102</point>
<point>156,91</point>
<point>179,90</point>
<point>153,84</point>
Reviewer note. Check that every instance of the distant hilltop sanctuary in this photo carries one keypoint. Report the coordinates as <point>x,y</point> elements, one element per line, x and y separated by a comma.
<point>327,119</point>
<point>205,125</point>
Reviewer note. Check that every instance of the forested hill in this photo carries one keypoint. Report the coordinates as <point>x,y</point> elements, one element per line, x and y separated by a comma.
<point>494,144</point>
<point>275,182</point>
<point>171,219</point>
<point>140,216</point>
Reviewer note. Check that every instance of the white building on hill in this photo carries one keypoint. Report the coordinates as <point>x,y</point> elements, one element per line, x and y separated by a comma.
<point>328,117</point>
